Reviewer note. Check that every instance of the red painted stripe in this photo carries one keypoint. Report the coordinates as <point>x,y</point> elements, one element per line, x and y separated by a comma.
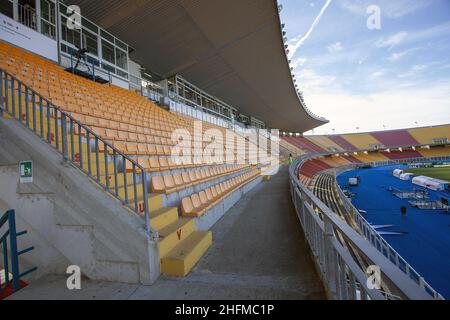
<point>395,155</point>
<point>395,138</point>
<point>342,142</point>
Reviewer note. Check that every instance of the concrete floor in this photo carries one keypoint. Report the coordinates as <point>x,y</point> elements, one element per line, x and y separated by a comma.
<point>259,252</point>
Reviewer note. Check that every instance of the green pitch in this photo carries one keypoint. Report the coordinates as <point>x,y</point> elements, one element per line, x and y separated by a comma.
<point>437,173</point>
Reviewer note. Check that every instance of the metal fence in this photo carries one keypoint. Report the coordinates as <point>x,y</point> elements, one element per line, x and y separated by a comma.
<point>114,171</point>
<point>11,253</point>
<point>27,16</point>
<point>373,236</point>
<point>330,238</point>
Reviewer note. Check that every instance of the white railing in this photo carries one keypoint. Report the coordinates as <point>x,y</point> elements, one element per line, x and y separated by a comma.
<point>366,229</point>
<point>27,16</point>
<point>330,238</point>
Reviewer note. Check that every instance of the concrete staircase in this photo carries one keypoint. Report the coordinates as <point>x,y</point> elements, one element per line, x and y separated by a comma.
<point>180,245</point>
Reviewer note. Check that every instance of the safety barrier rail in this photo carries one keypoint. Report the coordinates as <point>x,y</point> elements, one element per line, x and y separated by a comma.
<point>79,145</point>
<point>11,269</point>
<point>330,238</point>
<point>27,16</point>
<point>75,63</point>
<point>374,237</point>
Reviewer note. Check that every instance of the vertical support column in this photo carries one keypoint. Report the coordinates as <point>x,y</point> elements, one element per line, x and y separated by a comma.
<point>16,10</point>
<point>58,30</point>
<point>1,94</point>
<point>330,263</point>
<point>38,16</point>
<point>64,136</point>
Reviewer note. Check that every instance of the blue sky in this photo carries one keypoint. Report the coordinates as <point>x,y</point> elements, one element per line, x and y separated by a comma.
<point>394,77</point>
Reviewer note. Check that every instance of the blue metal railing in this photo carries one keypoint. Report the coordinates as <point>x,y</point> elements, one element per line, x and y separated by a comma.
<point>91,65</point>
<point>11,253</point>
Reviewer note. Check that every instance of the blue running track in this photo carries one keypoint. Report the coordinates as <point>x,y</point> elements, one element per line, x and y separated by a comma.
<point>426,242</point>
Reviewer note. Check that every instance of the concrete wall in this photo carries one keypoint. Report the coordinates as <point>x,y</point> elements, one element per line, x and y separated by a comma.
<point>210,217</point>
<point>70,220</point>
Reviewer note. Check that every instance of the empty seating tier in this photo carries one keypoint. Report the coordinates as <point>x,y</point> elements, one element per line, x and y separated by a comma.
<point>142,132</point>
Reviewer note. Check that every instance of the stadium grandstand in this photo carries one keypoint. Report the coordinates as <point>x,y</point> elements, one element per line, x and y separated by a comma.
<point>154,167</point>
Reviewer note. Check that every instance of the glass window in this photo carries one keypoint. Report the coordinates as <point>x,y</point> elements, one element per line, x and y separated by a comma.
<point>107,67</point>
<point>68,35</point>
<point>108,51</point>
<point>48,29</point>
<point>90,42</point>
<point>120,44</point>
<point>122,74</point>
<point>121,59</point>
<point>48,11</point>
<point>107,36</point>
<point>92,60</point>
<point>6,7</point>
<point>68,49</point>
<point>90,26</point>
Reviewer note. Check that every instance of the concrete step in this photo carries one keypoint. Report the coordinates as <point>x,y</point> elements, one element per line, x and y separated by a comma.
<point>181,259</point>
<point>155,202</point>
<point>173,234</point>
<point>163,217</point>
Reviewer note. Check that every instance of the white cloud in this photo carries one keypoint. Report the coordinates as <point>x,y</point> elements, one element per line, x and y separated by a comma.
<point>391,41</point>
<point>389,8</point>
<point>310,80</point>
<point>396,56</point>
<point>398,108</point>
<point>335,47</point>
<point>298,43</point>
<point>298,62</point>
<point>413,71</point>
<point>377,74</point>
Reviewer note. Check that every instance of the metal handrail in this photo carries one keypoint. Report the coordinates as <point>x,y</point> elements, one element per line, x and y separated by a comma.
<point>66,134</point>
<point>387,251</point>
<point>27,16</point>
<point>8,219</point>
<point>341,274</point>
<point>379,242</point>
<point>94,68</point>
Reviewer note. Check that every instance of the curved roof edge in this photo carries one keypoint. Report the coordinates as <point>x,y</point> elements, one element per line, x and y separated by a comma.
<point>234,50</point>
<point>320,119</point>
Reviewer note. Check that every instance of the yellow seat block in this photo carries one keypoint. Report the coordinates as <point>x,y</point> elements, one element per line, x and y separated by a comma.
<point>180,260</point>
<point>174,234</point>
<point>163,217</point>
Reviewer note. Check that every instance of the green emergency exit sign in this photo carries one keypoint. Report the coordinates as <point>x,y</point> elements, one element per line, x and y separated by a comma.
<point>26,171</point>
